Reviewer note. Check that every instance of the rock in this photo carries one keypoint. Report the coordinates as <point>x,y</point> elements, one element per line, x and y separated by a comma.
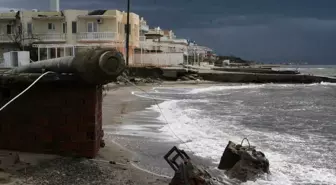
<point>243,163</point>
<point>112,162</point>
<point>5,178</point>
<point>102,144</point>
<point>192,77</point>
<point>184,78</point>
<point>250,167</point>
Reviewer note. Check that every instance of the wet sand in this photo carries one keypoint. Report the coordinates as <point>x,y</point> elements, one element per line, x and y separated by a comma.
<point>133,153</point>
<point>129,122</point>
<point>115,164</point>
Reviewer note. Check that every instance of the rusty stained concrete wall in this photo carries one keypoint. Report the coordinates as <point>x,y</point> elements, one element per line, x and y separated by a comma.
<point>63,119</point>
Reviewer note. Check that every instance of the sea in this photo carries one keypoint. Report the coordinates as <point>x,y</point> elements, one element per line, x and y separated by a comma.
<point>293,124</point>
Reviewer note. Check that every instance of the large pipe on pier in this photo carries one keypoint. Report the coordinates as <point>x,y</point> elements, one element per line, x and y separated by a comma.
<point>96,66</point>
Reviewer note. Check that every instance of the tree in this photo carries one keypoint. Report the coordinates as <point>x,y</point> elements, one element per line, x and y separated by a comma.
<point>23,41</point>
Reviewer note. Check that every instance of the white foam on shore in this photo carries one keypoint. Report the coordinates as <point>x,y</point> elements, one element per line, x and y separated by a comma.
<point>220,88</point>
<point>207,137</point>
<point>328,84</point>
<point>144,95</point>
<point>253,86</point>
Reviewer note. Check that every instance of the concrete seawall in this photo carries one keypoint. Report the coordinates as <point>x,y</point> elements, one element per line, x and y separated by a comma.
<point>254,70</point>
<point>236,77</point>
<point>175,73</point>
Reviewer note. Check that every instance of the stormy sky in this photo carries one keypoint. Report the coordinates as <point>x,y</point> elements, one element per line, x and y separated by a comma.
<point>262,30</point>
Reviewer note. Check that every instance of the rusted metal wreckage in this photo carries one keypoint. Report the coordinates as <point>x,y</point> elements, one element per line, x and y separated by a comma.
<point>62,112</point>
<point>238,162</point>
<point>96,66</point>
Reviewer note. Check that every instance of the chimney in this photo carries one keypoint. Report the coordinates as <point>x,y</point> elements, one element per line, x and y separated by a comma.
<point>54,5</point>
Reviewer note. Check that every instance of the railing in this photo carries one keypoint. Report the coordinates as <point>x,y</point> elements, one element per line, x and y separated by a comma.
<point>154,31</point>
<point>96,36</point>
<point>49,36</point>
<point>180,41</point>
<point>6,38</point>
<point>144,27</point>
<point>142,38</point>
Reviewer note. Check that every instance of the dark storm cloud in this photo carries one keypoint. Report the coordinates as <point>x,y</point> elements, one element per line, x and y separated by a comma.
<point>268,30</point>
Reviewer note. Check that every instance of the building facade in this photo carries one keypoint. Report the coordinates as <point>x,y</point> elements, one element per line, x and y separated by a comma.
<point>63,33</point>
<point>54,34</point>
<point>7,29</point>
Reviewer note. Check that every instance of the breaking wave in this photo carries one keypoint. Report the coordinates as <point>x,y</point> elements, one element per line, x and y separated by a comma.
<point>207,135</point>
<point>220,88</point>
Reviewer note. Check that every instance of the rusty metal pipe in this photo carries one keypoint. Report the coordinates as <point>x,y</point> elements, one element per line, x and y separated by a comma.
<point>94,66</point>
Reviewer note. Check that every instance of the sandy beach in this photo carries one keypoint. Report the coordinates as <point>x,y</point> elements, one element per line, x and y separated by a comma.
<point>130,156</point>
<point>115,164</point>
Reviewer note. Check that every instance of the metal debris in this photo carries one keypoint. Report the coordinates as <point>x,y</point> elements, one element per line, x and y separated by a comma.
<point>186,173</point>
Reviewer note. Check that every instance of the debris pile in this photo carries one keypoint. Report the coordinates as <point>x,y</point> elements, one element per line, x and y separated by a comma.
<point>186,172</point>
<point>190,76</point>
<point>244,163</point>
<point>125,79</point>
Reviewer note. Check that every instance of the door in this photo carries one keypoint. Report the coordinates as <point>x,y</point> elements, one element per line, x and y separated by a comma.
<point>92,30</point>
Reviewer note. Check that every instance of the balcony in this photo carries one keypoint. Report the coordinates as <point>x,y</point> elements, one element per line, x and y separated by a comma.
<point>6,38</point>
<point>142,38</point>
<point>154,34</point>
<point>181,41</point>
<point>50,37</point>
<point>97,36</point>
<point>144,27</point>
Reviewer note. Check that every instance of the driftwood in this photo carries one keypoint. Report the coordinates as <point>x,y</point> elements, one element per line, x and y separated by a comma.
<point>96,66</point>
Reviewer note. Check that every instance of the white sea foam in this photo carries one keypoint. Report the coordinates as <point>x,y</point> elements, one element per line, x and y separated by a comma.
<point>221,88</point>
<point>252,86</point>
<point>144,95</point>
<point>203,136</point>
<point>328,84</point>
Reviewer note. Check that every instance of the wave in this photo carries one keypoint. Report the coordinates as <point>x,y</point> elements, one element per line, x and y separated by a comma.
<point>253,86</point>
<point>328,84</point>
<point>148,96</point>
<point>207,137</point>
<point>228,87</point>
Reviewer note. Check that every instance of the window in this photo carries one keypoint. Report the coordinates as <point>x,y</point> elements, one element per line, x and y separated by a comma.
<point>51,26</point>
<point>74,27</point>
<point>29,28</point>
<point>9,29</point>
<point>130,29</point>
<point>92,27</point>
<point>119,26</point>
<point>19,29</point>
<point>64,27</point>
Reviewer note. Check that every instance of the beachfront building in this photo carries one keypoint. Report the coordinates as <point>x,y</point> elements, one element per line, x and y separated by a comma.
<point>7,29</point>
<point>64,33</point>
<point>199,55</point>
<point>159,47</point>
<point>163,48</point>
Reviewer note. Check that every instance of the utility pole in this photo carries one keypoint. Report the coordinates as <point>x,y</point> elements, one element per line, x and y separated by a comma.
<point>127,32</point>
